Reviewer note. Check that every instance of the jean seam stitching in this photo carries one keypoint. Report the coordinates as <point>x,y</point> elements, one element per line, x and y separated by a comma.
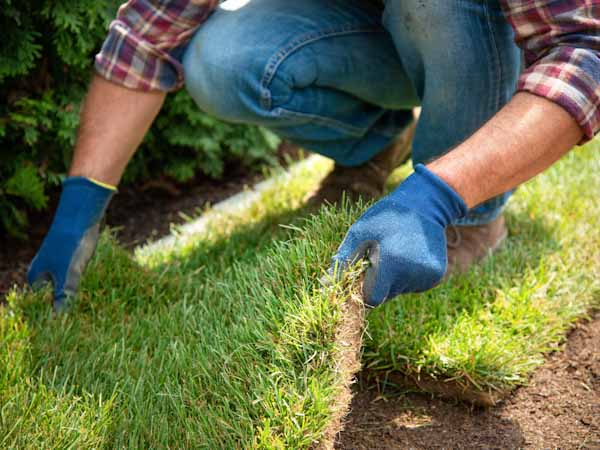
<point>355,131</point>
<point>496,52</point>
<point>280,56</point>
<point>498,202</point>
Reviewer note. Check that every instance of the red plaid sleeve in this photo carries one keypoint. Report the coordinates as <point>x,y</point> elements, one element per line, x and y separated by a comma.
<point>145,43</point>
<point>561,44</point>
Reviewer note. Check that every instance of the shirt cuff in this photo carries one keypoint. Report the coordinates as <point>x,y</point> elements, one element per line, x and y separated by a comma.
<point>135,63</point>
<point>570,77</point>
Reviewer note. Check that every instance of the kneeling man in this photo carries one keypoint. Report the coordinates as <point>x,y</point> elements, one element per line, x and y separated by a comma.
<point>340,78</point>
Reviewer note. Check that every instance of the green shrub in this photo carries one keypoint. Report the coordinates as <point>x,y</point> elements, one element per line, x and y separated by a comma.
<point>46,59</point>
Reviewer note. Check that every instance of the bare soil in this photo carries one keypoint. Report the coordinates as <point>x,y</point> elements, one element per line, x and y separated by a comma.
<point>560,408</point>
<point>139,213</point>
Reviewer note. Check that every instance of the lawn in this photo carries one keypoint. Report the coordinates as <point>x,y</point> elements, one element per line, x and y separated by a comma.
<point>230,340</point>
<point>481,334</point>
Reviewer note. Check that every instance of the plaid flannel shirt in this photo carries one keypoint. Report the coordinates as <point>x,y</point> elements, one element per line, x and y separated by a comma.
<point>560,40</point>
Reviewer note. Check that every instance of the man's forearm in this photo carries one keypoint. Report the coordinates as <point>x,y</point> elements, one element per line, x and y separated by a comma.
<point>114,121</point>
<point>527,136</point>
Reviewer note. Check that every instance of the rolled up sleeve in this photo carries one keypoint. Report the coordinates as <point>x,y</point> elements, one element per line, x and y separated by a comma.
<point>145,43</point>
<point>561,45</point>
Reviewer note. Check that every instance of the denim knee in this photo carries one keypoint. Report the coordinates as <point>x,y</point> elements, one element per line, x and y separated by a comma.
<point>241,82</point>
<point>283,83</point>
<point>223,83</point>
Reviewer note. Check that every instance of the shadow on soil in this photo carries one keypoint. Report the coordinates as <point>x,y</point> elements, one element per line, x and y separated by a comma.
<point>409,420</point>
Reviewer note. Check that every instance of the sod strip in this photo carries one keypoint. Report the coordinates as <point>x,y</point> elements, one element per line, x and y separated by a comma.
<point>231,342</point>
<point>260,358</point>
<point>186,353</point>
<point>480,335</point>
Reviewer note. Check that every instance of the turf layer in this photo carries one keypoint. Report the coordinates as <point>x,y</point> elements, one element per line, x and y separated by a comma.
<point>231,341</point>
<point>481,334</point>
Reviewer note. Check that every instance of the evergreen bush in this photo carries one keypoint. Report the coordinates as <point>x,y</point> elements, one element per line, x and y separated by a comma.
<point>46,61</point>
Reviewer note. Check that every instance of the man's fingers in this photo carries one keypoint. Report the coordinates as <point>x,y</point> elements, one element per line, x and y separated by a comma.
<point>62,303</point>
<point>349,255</point>
<point>375,287</point>
<point>376,291</point>
<point>39,279</point>
<point>341,260</point>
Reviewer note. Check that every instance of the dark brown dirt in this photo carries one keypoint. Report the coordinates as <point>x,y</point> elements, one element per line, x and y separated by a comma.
<point>139,213</point>
<point>560,408</point>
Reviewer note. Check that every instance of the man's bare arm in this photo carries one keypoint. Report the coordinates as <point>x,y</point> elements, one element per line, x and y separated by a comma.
<point>527,136</point>
<point>114,121</point>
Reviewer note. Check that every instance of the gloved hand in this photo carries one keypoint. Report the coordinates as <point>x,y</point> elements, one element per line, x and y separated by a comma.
<point>403,237</point>
<point>72,238</point>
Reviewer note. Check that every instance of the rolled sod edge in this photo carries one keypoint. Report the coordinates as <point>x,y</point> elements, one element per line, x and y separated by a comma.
<point>446,389</point>
<point>349,336</point>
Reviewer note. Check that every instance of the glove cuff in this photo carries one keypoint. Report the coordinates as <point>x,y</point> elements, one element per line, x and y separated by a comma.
<point>101,184</point>
<point>434,196</point>
<point>82,203</point>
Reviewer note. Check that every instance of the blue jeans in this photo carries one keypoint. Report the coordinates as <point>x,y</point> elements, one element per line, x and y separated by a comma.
<point>340,77</point>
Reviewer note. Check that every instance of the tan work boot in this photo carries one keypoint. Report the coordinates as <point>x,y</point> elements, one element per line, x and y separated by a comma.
<point>470,244</point>
<point>366,181</point>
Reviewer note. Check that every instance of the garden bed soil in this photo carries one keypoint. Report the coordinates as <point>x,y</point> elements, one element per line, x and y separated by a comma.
<point>139,213</point>
<point>560,408</point>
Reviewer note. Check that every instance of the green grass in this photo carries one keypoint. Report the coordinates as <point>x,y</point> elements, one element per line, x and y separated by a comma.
<point>174,357</point>
<point>229,341</point>
<point>490,328</point>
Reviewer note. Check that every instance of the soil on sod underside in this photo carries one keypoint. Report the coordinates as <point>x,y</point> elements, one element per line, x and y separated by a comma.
<point>560,408</point>
<point>139,213</point>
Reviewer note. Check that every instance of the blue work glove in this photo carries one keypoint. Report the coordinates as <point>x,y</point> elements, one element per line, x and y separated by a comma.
<point>72,238</point>
<point>403,237</point>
